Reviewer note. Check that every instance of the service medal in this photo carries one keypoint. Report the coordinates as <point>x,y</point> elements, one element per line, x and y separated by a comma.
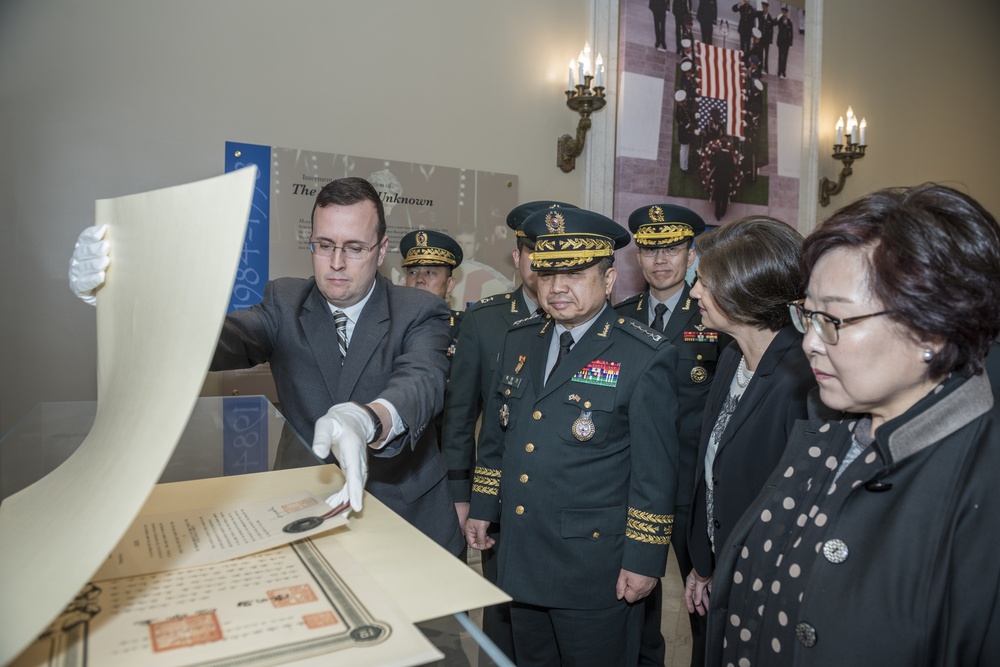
<point>699,374</point>
<point>504,415</point>
<point>583,427</point>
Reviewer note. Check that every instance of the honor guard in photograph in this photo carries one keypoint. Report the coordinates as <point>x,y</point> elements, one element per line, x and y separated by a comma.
<point>429,260</point>
<point>664,238</point>
<point>578,455</point>
<point>480,339</point>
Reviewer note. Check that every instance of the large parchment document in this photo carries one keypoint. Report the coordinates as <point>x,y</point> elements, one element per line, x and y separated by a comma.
<point>174,254</point>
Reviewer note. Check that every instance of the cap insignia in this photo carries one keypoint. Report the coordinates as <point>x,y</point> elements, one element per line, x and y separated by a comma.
<point>555,223</point>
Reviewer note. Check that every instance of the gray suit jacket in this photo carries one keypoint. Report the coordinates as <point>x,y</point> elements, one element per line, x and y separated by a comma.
<point>400,358</point>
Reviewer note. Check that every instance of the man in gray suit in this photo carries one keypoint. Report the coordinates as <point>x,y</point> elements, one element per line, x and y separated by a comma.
<point>359,364</point>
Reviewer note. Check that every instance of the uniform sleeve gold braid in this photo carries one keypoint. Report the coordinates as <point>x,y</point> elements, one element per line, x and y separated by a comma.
<point>486,481</point>
<point>646,538</point>
<point>649,528</point>
<point>648,517</point>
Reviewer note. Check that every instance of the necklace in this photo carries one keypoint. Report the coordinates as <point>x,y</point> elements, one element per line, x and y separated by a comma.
<point>743,376</point>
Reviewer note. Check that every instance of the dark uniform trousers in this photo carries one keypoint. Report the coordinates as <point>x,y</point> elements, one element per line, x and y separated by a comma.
<point>582,478</point>
<point>698,348</point>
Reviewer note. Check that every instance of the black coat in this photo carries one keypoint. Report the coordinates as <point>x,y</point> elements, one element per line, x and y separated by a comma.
<point>754,439</point>
<point>917,581</point>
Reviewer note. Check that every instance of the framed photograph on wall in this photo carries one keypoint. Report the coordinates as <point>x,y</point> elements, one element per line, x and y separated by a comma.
<point>715,102</point>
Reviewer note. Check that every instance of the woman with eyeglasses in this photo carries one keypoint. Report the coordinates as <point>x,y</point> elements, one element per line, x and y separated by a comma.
<point>747,274</point>
<point>874,541</point>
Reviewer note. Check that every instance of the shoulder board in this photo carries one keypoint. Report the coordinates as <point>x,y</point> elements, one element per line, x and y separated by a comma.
<point>537,318</point>
<point>638,330</point>
<point>629,301</point>
<point>493,300</point>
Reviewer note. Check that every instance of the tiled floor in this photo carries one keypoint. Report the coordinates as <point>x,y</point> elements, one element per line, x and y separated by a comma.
<point>674,622</point>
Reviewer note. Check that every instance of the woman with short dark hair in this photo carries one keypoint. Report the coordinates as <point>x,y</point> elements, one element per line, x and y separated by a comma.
<point>748,272</point>
<point>874,540</point>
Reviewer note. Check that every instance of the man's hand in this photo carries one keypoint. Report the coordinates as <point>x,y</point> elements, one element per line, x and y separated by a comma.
<point>87,265</point>
<point>697,591</point>
<point>462,510</point>
<point>475,534</point>
<point>633,587</point>
<point>345,431</point>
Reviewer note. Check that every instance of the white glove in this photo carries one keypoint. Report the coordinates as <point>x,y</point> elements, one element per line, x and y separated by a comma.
<point>345,431</point>
<point>90,259</point>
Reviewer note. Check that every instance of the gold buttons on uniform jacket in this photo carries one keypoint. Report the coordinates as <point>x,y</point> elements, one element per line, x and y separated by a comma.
<point>529,448</point>
<point>586,404</point>
<point>519,509</point>
<point>698,357</point>
<point>523,478</point>
<point>506,392</point>
<point>537,414</point>
<point>597,534</point>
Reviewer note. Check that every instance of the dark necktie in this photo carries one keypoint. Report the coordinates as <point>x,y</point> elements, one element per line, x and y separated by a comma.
<point>565,342</point>
<point>340,319</point>
<point>658,320</point>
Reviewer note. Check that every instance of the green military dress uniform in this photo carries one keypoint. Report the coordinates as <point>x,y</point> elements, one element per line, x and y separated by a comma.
<point>454,322</point>
<point>581,472</point>
<point>479,339</point>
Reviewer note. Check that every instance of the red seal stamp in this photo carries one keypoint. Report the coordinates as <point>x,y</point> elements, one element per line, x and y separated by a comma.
<point>299,505</point>
<point>320,620</point>
<point>291,595</point>
<point>184,632</point>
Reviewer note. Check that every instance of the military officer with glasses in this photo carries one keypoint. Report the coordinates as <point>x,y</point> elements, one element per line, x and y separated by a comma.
<point>577,455</point>
<point>359,363</point>
<point>664,238</point>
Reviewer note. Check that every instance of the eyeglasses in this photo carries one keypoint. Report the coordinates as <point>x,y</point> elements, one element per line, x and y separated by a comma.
<point>827,326</point>
<point>669,251</point>
<point>350,250</point>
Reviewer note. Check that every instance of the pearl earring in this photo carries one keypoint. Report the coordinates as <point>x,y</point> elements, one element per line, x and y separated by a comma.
<point>928,354</point>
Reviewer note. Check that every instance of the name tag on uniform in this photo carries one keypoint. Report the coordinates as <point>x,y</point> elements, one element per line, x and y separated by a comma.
<point>511,381</point>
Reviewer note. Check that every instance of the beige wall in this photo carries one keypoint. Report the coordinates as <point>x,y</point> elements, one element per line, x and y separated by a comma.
<point>925,73</point>
<point>110,97</point>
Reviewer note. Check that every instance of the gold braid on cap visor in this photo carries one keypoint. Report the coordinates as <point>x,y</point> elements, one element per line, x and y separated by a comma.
<point>662,234</point>
<point>572,250</point>
<point>429,256</point>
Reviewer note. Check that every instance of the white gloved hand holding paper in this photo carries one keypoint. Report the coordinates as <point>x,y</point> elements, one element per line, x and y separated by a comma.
<point>345,431</point>
<point>88,264</point>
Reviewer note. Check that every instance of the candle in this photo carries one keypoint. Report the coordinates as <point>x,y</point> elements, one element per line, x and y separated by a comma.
<point>864,128</point>
<point>854,133</point>
<point>572,63</point>
<point>840,131</point>
<point>579,68</point>
<point>600,71</point>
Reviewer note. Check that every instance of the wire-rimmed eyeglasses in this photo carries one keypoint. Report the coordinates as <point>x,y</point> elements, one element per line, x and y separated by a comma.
<point>350,250</point>
<point>827,326</point>
<point>669,251</point>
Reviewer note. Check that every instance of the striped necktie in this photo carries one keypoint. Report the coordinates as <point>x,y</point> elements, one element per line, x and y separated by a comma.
<point>340,319</point>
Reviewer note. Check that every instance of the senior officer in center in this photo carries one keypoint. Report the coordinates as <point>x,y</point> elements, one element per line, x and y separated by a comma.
<point>664,238</point>
<point>579,448</point>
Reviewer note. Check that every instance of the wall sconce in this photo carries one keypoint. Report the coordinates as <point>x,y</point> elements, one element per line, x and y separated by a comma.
<point>581,99</point>
<point>854,149</point>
